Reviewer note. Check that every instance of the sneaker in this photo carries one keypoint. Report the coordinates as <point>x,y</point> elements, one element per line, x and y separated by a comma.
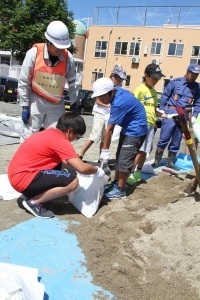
<point>134,177</point>
<point>37,210</point>
<point>115,193</point>
<point>108,187</point>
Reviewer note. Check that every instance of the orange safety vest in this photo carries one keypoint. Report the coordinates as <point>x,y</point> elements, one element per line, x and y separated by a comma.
<point>49,81</point>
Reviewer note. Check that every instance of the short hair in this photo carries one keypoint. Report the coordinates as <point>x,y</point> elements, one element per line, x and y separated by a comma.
<point>72,120</point>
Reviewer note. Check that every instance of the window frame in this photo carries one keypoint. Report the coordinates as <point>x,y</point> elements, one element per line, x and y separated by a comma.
<point>94,78</point>
<point>156,48</point>
<point>195,56</point>
<point>175,54</point>
<point>100,50</point>
<point>121,48</point>
<point>7,60</point>
<point>134,51</point>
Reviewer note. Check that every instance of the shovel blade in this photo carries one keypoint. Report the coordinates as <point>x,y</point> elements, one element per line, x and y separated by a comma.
<point>191,188</point>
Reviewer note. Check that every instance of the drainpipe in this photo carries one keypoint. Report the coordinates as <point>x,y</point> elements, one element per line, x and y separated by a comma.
<point>108,49</point>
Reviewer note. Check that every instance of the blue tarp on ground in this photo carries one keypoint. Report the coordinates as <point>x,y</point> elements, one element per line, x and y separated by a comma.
<point>46,244</point>
<point>182,161</point>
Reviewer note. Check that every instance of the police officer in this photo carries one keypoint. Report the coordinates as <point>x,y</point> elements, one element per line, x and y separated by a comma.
<point>44,72</point>
<point>183,91</point>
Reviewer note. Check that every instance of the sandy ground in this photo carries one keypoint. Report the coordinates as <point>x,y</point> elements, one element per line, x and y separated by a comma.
<point>143,247</point>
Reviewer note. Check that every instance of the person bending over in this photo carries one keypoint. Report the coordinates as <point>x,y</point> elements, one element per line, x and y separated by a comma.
<point>35,169</point>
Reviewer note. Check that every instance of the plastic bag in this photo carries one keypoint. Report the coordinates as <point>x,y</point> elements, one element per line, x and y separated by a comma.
<point>116,133</point>
<point>87,196</point>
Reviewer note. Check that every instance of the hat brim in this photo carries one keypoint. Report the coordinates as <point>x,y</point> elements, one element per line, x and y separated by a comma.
<point>61,45</point>
<point>157,75</point>
<point>64,46</point>
<point>124,78</point>
<point>95,95</point>
<point>195,72</point>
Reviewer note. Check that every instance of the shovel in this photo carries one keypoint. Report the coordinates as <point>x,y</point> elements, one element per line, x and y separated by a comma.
<point>189,140</point>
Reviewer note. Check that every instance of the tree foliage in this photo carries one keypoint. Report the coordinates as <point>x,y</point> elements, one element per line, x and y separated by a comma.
<point>24,22</point>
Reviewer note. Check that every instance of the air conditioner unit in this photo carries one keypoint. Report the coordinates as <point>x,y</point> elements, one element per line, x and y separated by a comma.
<point>155,61</point>
<point>118,66</point>
<point>135,59</point>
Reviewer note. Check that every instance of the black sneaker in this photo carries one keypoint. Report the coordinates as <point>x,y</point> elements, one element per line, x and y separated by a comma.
<point>37,210</point>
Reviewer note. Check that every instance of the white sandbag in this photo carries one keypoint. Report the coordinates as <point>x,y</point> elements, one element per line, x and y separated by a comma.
<point>10,126</point>
<point>7,192</point>
<point>116,133</point>
<point>87,196</point>
<point>20,283</point>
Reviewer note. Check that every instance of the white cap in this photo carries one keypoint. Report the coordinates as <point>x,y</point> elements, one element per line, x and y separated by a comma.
<point>57,33</point>
<point>102,86</point>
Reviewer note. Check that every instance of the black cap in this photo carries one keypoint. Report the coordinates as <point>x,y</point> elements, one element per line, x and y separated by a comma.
<point>154,71</point>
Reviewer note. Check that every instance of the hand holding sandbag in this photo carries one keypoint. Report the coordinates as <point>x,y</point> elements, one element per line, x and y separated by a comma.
<point>100,173</point>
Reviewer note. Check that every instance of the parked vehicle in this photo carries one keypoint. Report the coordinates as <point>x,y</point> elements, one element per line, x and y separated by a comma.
<point>10,91</point>
<point>85,102</point>
<point>3,80</point>
<point>66,99</point>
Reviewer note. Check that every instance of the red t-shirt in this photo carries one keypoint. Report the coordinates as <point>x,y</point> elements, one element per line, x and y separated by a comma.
<point>41,151</point>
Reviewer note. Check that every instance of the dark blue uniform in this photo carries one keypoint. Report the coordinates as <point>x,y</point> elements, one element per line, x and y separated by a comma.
<point>178,92</point>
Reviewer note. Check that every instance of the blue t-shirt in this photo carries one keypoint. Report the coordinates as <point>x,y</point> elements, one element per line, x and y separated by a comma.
<point>128,112</point>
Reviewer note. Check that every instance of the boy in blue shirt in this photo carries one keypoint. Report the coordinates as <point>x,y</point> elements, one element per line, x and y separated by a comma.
<point>130,114</point>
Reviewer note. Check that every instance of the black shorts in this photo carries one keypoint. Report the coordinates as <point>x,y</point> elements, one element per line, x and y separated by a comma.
<point>127,150</point>
<point>48,179</point>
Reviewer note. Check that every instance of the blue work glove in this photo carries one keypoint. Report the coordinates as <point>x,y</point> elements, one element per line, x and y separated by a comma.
<point>25,114</point>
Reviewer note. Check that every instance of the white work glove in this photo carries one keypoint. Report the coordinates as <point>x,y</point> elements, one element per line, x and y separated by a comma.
<point>105,155</point>
<point>100,173</point>
<point>193,119</point>
<point>160,110</point>
<point>170,116</point>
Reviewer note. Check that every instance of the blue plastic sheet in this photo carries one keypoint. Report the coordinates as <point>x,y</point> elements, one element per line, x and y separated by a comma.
<point>46,245</point>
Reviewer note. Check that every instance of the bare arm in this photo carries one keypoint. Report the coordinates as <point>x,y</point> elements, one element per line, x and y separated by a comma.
<point>108,135</point>
<point>81,167</point>
<point>101,103</point>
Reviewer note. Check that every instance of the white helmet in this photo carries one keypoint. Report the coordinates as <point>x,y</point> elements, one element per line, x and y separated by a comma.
<point>102,86</point>
<point>57,33</point>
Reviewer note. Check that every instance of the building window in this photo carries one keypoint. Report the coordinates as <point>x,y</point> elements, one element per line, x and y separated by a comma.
<point>101,49</point>
<point>128,79</point>
<point>195,61</point>
<point>155,48</point>
<point>121,48</point>
<point>134,48</point>
<point>95,76</point>
<point>5,60</point>
<point>195,51</point>
<point>175,49</point>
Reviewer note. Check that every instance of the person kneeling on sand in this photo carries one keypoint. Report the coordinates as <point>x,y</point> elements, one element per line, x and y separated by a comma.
<point>35,169</point>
